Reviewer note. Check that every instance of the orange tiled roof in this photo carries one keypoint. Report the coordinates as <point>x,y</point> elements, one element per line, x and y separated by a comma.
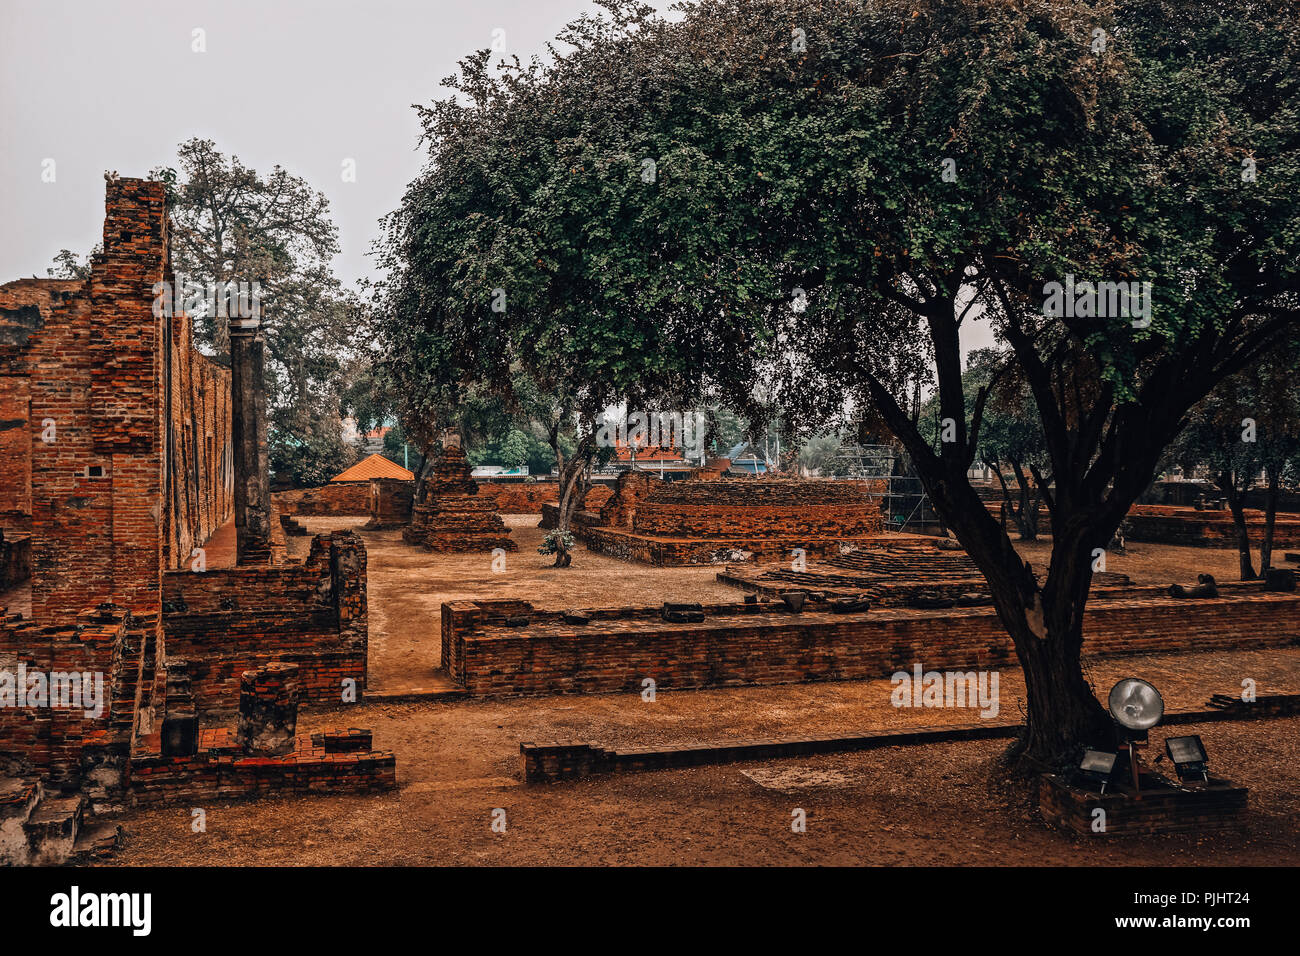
<point>376,466</point>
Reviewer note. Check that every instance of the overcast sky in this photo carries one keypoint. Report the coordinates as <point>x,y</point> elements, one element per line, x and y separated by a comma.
<point>101,85</point>
<point>114,84</point>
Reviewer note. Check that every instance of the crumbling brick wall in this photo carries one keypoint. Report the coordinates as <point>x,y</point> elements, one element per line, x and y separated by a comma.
<point>225,621</point>
<point>126,427</point>
<point>350,498</point>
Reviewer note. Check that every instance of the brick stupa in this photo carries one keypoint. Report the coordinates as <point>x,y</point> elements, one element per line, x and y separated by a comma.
<point>452,515</point>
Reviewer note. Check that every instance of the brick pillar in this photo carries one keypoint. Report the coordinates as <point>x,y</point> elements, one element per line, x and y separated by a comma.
<point>248,437</point>
<point>268,709</point>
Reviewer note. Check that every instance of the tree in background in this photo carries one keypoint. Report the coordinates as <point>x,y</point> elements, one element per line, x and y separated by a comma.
<point>1011,436</point>
<point>521,263</point>
<point>230,224</point>
<point>1247,427</point>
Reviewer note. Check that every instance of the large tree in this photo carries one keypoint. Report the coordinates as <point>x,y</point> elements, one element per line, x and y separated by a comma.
<point>231,224</point>
<point>842,188</point>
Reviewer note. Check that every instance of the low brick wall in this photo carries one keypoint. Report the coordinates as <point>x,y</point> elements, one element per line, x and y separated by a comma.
<point>223,622</point>
<point>765,644</point>
<point>673,552</point>
<point>527,498</point>
<point>1217,806</point>
<point>349,498</point>
<point>1162,524</point>
<point>220,770</point>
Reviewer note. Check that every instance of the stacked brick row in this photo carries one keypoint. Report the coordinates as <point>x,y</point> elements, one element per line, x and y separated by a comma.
<point>338,498</point>
<point>225,621</point>
<point>762,644</point>
<point>220,770</point>
<point>527,498</point>
<point>1217,806</point>
<point>1205,529</point>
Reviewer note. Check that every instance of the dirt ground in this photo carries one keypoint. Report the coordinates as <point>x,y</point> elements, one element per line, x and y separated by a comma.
<point>459,760</point>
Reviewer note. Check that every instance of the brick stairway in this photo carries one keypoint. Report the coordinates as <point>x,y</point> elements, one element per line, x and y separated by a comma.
<point>43,829</point>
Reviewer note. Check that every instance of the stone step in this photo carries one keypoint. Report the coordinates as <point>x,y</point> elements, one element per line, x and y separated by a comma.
<point>19,796</point>
<point>96,841</point>
<point>52,829</point>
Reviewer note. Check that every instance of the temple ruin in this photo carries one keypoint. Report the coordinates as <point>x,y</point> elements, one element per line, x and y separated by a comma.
<point>125,455</point>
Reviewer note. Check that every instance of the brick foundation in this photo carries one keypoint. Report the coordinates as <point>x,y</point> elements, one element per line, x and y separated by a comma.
<point>711,520</point>
<point>762,643</point>
<point>1165,524</point>
<point>227,621</point>
<point>1161,809</point>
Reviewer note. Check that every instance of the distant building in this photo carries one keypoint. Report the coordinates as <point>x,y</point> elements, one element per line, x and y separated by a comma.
<point>668,463</point>
<point>376,466</point>
<point>499,471</point>
<point>747,460</point>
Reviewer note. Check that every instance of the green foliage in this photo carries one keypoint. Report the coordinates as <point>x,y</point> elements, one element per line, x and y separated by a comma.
<point>556,542</point>
<point>231,224</point>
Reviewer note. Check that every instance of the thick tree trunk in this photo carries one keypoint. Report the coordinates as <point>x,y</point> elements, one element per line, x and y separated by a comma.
<point>1063,710</point>
<point>1228,485</point>
<point>1270,514</point>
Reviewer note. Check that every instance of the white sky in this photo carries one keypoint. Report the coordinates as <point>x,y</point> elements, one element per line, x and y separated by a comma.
<point>98,85</point>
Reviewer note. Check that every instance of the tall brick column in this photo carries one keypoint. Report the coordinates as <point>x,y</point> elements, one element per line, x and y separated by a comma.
<point>248,436</point>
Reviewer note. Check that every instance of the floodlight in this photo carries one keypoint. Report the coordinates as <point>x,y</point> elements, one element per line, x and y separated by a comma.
<point>1188,755</point>
<point>1136,706</point>
<point>1097,766</point>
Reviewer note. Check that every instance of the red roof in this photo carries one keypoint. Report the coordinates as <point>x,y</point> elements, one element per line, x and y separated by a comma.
<point>623,452</point>
<point>376,466</point>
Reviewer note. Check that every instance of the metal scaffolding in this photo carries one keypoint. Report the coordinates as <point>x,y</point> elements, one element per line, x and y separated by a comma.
<point>902,497</point>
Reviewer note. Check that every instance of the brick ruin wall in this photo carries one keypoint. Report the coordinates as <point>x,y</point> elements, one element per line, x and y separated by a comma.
<point>350,498</point>
<point>116,445</point>
<point>64,744</point>
<point>390,503</point>
<point>1165,524</point>
<point>115,462</point>
<point>225,621</point>
<point>711,520</point>
<point>528,498</point>
<point>763,644</point>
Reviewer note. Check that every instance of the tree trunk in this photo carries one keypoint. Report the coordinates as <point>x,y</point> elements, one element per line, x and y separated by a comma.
<point>1270,513</point>
<point>422,473</point>
<point>1228,485</point>
<point>574,485</point>
<point>1026,519</point>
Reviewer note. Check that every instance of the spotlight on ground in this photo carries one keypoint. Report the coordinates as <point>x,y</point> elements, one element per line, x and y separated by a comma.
<point>1097,766</point>
<point>1188,755</point>
<point>1136,707</point>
